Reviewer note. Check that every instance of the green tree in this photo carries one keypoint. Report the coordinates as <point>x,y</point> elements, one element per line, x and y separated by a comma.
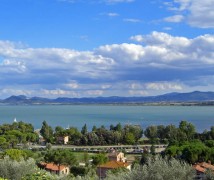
<point>11,169</point>
<point>15,154</point>
<point>61,157</point>
<point>46,131</point>
<point>84,129</point>
<point>129,138</point>
<point>2,140</point>
<point>99,159</point>
<point>94,128</point>
<point>151,132</point>
<point>158,168</point>
<point>188,129</point>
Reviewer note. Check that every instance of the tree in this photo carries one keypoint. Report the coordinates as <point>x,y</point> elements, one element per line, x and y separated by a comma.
<point>2,140</point>
<point>188,129</point>
<point>94,128</point>
<point>171,133</point>
<point>151,133</point>
<point>158,168</point>
<point>99,159</point>
<point>46,131</point>
<point>129,138</point>
<point>118,127</point>
<point>11,169</point>
<point>84,130</point>
<point>15,154</point>
<point>60,157</point>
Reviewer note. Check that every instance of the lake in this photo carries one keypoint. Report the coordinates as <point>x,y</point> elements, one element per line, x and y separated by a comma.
<point>77,115</point>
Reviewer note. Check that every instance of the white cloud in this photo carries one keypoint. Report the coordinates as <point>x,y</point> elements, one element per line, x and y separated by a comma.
<point>174,19</point>
<point>112,14</point>
<point>132,20</point>
<point>167,28</point>
<point>163,86</point>
<point>59,93</point>
<point>73,85</point>
<point>197,13</point>
<point>138,93</point>
<point>138,38</point>
<point>157,64</point>
<point>106,86</point>
<point>118,1</point>
<point>95,92</point>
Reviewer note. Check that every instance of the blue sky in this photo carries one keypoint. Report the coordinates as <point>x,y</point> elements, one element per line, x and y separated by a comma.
<point>88,48</point>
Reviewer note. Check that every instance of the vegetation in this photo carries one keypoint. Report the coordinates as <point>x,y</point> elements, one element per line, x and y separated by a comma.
<point>157,168</point>
<point>11,169</point>
<point>185,146</point>
<point>11,135</point>
<point>61,157</point>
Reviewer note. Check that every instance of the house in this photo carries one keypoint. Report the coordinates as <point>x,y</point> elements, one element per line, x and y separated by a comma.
<point>116,160</point>
<point>102,169</point>
<point>53,168</point>
<point>201,168</point>
<point>116,156</point>
<point>62,139</point>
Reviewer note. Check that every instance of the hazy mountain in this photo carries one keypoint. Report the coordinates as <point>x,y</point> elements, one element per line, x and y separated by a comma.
<point>195,96</point>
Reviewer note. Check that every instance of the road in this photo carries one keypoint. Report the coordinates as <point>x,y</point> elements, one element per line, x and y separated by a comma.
<point>129,148</point>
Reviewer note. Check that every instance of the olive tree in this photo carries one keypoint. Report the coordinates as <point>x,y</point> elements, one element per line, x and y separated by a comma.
<point>157,168</point>
<point>11,169</point>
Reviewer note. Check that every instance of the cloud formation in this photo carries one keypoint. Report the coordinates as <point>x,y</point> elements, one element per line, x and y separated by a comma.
<point>196,12</point>
<point>159,63</point>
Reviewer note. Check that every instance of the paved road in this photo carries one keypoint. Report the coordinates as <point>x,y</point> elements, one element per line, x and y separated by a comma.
<point>158,148</point>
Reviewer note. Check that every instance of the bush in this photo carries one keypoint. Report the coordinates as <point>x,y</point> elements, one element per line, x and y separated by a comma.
<point>158,168</point>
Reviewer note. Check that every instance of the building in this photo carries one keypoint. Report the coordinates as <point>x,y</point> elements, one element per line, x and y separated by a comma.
<point>53,168</point>
<point>116,160</point>
<point>62,139</point>
<point>102,169</point>
<point>201,168</point>
<point>116,156</point>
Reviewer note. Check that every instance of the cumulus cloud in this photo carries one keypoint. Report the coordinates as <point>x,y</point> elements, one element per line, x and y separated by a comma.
<point>163,86</point>
<point>174,19</point>
<point>156,65</point>
<point>137,38</point>
<point>197,13</point>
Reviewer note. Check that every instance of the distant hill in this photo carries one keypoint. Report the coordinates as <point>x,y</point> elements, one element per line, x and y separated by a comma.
<point>195,96</point>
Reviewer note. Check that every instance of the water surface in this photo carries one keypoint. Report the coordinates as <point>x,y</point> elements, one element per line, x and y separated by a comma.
<point>77,115</point>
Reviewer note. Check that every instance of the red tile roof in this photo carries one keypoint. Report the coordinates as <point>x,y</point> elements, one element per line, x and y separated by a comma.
<point>114,164</point>
<point>199,168</point>
<point>206,165</point>
<point>52,166</point>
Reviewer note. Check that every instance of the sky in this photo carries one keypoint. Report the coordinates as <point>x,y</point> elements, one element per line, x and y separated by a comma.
<point>90,48</point>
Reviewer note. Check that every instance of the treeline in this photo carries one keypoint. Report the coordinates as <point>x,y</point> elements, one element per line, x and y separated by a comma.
<point>184,142</point>
<point>128,134</point>
<point>171,134</point>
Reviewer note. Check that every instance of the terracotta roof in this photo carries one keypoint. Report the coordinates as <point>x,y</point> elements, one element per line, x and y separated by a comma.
<point>199,168</point>
<point>114,164</point>
<point>52,166</point>
<point>206,165</point>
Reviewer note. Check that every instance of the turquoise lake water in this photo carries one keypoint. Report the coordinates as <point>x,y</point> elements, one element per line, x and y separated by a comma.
<point>77,115</point>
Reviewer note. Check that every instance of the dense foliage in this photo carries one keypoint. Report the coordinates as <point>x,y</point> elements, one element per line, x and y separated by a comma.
<point>183,144</point>
<point>16,133</point>
<point>157,168</point>
<point>129,134</point>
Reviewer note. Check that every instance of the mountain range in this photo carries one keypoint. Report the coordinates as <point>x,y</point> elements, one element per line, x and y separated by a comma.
<point>191,97</point>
